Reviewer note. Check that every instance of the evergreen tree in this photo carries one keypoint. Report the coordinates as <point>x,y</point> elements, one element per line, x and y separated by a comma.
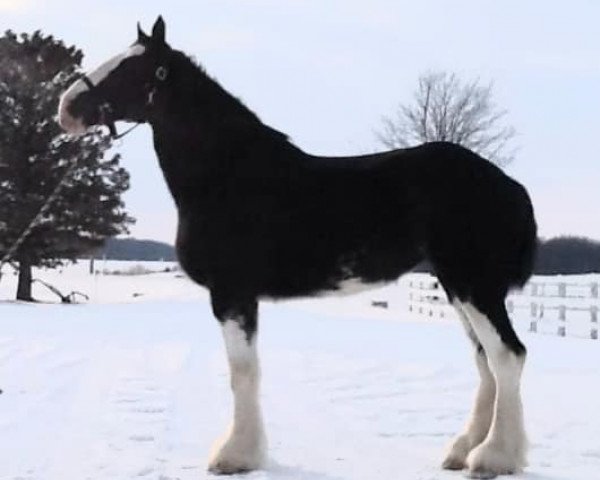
<point>35,154</point>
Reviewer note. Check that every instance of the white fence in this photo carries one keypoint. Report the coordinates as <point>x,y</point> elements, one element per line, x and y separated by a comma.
<point>427,297</point>
<point>563,308</point>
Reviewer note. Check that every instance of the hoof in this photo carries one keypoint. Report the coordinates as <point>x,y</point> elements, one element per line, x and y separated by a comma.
<point>225,468</point>
<point>229,464</point>
<point>453,463</point>
<point>237,455</point>
<point>481,475</point>
<point>456,457</point>
<point>489,460</point>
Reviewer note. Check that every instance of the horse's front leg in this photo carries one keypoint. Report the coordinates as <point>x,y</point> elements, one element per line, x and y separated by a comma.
<point>244,446</point>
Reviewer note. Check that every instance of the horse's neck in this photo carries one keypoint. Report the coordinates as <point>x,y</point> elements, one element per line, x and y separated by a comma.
<point>193,129</point>
<point>196,97</point>
<point>179,151</point>
<point>200,130</point>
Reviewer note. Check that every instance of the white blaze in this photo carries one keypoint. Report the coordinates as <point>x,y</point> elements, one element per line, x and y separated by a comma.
<point>104,70</point>
<point>75,125</point>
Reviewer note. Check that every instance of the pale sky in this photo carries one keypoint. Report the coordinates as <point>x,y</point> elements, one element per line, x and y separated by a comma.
<point>324,72</point>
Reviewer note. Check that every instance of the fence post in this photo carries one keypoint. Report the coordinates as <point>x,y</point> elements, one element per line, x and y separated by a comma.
<point>534,309</point>
<point>562,312</point>
<point>594,319</point>
<point>562,289</point>
<point>533,323</point>
<point>594,290</point>
<point>533,326</point>
<point>510,306</point>
<point>534,289</point>
<point>562,316</point>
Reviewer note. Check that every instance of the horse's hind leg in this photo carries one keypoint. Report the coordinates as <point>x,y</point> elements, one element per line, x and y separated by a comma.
<point>503,449</point>
<point>481,417</point>
<point>243,448</point>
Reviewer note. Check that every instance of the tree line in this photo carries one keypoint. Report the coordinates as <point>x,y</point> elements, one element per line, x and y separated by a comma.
<point>134,249</point>
<point>556,256</point>
<point>568,255</point>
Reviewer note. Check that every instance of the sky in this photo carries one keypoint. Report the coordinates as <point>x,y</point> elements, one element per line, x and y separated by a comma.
<point>326,71</point>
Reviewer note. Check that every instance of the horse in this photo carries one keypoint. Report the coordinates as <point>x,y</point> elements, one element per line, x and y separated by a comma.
<point>260,219</point>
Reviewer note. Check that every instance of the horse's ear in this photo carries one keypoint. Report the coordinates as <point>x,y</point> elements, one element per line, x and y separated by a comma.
<point>141,34</point>
<point>158,30</point>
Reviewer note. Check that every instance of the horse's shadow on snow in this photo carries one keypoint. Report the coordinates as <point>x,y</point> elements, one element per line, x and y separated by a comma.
<point>286,472</point>
<point>276,471</point>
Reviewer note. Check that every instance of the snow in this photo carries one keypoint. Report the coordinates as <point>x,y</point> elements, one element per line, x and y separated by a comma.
<point>136,386</point>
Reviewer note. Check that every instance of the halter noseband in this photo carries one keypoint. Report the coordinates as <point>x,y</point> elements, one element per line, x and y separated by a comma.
<point>106,109</point>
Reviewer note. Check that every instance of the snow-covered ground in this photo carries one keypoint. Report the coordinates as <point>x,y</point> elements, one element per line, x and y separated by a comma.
<point>134,385</point>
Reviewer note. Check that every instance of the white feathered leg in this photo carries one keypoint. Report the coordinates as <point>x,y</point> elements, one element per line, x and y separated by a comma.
<point>481,417</point>
<point>244,447</point>
<point>504,448</point>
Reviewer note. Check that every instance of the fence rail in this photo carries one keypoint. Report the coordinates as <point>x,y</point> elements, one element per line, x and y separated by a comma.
<point>557,307</point>
<point>553,289</point>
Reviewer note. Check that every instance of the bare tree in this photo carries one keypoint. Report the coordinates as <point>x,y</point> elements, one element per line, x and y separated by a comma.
<point>448,109</point>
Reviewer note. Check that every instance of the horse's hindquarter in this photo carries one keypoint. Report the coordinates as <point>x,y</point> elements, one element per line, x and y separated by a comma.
<point>479,222</point>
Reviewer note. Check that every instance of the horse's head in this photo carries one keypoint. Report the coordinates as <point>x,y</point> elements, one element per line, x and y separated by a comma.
<point>122,88</point>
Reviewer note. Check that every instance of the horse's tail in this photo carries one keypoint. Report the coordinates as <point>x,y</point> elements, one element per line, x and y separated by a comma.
<point>529,241</point>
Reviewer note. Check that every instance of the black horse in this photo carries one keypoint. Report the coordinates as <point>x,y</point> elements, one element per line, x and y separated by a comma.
<point>259,218</point>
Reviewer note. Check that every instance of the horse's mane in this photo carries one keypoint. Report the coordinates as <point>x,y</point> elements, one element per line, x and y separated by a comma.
<point>198,83</point>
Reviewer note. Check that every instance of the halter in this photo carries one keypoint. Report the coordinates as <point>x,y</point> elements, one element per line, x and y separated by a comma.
<point>105,108</point>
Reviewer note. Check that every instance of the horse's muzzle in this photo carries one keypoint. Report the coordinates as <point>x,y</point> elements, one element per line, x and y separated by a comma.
<point>70,121</point>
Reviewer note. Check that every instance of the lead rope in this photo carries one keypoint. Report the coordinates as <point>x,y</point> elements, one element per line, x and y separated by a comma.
<point>121,135</point>
<point>36,219</point>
